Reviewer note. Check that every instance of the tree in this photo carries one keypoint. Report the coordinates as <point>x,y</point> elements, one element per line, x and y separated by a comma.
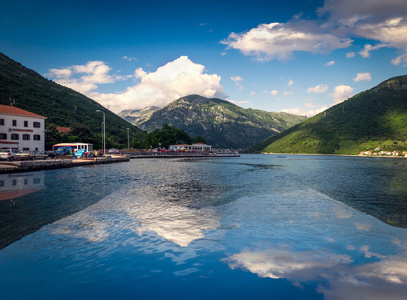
<point>52,136</point>
<point>199,139</point>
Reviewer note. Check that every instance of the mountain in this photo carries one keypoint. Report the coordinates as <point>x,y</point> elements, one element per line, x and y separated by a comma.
<point>61,105</point>
<point>222,123</point>
<point>137,116</point>
<point>376,118</point>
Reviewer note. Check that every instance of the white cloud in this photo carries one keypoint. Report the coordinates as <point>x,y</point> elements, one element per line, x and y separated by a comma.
<point>330,63</point>
<point>176,79</point>
<point>350,55</point>
<point>308,113</point>
<point>383,21</point>
<point>341,93</point>
<point>277,40</point>
<point>252,93</point>
<point>321,88</point>
<point>365,53</point>
<point>83,78</point>
<point>362,76</point>
<point>237,80</point>
<point>398,60</point>
<point>290,82</point>
<point>287,93</point>
<point>129,58</point>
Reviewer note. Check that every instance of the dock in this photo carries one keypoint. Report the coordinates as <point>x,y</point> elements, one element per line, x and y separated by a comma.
<point>50,164</point>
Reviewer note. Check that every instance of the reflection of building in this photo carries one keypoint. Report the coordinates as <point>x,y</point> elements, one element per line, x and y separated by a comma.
<point>193,147</point>
<point>16,185</point>
<point>21,129</point>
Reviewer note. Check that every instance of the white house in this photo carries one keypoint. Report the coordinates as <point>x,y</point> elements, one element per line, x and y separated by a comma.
<point>21,129</point>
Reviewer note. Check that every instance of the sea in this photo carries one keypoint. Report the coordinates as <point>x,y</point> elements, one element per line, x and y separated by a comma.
<point>249,227</point>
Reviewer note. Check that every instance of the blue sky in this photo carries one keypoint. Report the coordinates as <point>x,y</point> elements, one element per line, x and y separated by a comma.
<point>299,56</point>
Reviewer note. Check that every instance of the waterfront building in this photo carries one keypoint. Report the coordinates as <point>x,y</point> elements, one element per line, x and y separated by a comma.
<point>21,129</point>
<point>193,147</point>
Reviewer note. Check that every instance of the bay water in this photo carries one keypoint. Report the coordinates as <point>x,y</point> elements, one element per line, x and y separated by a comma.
<point>254,227</point>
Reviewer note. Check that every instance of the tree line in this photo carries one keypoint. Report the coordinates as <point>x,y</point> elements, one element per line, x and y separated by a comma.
<point>81,133</point>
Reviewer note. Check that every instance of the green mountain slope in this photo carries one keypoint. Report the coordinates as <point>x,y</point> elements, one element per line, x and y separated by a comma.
<point>376,118</point>
<point>223,124</point>
<point>62,106</point>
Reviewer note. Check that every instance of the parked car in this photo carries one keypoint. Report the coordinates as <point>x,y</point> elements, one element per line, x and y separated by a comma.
<point>8,153</point>
<point>64,150</point>
<point>51,154</point>
<point>113,150</point>
<point>31,155</point>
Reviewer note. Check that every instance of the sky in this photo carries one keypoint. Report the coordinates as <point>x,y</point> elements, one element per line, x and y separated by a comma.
<point>297,56</point>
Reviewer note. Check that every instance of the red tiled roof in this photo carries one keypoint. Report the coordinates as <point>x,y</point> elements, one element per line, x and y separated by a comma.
<point>64,129</point>
<point>12,110</point>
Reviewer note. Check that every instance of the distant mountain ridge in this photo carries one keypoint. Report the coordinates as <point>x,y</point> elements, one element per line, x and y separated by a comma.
<point>137,116</point>
<point>376,118</point>
<point>222,123</point>
<point>61,105</point>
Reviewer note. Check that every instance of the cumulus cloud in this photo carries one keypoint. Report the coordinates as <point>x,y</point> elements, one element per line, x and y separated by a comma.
<point>175,79</point>
<point>341,93</point>
<point>362,76</point>
<point>321,88</point>
<point>330,63</point>
<point>290,82</point>
<point>383,21</point>
<point>306,112</point>
<point>287,93</point>
<point>83,78</point>
<point>278,40</point>
<point>350,55</point>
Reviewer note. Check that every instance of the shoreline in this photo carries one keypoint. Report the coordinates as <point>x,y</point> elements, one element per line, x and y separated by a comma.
<point>52,164</point>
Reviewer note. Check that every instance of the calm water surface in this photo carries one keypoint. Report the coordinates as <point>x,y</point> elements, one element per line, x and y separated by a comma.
<point>254,227</point>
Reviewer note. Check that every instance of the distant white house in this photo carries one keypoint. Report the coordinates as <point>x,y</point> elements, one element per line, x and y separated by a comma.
<point>21,129</point>
<point>193,147</point>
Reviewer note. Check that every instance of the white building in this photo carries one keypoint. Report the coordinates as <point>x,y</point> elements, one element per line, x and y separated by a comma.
<point>21,129</point>
<point>193,147</point>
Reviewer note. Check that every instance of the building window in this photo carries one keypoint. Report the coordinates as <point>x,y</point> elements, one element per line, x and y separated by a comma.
<point>37,137</point>
<point>25,123</point>
<point>3,136</point>
<point>14,122</point>
<point>1,121</point>
<point>26,137</point>
<point>15,136</point>
<point>37,125</point>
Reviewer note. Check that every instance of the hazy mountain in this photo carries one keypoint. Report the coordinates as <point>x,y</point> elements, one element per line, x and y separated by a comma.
<point>222,123</point>
<point>376,118</point>
<point>61,105</point>
<point>137,116</point>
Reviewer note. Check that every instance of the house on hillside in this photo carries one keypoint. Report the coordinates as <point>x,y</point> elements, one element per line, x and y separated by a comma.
<point>64,129</point>
<point>21,129</point>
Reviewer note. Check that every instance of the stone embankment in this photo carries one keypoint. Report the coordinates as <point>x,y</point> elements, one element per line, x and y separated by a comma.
<point>49,164</point>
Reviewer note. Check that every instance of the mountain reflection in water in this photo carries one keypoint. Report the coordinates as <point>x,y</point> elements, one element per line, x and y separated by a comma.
<point>256,227</point>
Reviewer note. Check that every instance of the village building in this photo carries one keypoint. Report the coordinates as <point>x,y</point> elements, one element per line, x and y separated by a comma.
<point>21,129</point>
<point>194,147</point>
